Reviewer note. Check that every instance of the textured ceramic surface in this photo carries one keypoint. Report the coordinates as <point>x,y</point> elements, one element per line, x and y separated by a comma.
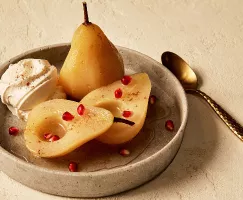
<point>102,170</point>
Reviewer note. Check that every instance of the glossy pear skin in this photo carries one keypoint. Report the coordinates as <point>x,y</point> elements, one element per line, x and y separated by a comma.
<point>92,62</point>
<point>47,118</point>
<point>134,98</point>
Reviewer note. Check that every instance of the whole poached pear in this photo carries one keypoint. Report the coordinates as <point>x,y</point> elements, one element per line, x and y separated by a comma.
<point>93,61</point>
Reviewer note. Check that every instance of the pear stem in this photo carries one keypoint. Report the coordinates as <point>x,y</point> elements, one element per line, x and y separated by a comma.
<point>125,121</point>
<point>86,16</point>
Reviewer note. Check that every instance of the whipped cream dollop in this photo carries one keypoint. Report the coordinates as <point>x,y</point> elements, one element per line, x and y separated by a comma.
<point>28,83</point>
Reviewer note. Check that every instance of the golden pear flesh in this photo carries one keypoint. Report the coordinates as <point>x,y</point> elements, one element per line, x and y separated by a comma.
<point>47,117</point>
<point>134,98</point>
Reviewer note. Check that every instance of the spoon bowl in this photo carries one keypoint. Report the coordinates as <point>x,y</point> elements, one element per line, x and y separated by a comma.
<point>180,69</point>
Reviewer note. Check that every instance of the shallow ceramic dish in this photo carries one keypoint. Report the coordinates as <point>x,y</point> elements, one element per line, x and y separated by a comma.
<point>103,171</point>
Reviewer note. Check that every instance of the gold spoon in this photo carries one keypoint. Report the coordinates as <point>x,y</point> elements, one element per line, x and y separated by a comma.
<point>189,81</point>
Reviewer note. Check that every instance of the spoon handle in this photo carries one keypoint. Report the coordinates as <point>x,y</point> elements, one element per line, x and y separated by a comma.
<point>233,125</point>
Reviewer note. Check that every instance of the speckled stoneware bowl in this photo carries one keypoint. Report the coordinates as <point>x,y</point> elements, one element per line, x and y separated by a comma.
<point>102,170</point>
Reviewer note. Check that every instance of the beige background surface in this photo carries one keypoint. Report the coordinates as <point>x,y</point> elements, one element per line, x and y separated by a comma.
<point>208,34</point>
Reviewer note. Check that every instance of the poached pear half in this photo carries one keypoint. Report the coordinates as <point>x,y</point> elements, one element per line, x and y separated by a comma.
<point>47,117</point>
<point>127,101</point>
<point>93,61</point>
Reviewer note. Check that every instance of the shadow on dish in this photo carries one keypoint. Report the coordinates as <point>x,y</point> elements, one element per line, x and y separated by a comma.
<point>196,153</point>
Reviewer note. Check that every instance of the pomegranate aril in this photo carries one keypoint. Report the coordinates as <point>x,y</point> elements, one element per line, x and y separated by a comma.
<point>126,80</point>
<point>13,131</point>
<point>169,125</point>
<point>54,138</point>
<point>118,93</point>
<point>127,113</point>
<point>124,152</point>
<point>81,109</point>
<point>67,116</point>
<point>47,136</point>
<point>152,99</point>
<point>73,167</point>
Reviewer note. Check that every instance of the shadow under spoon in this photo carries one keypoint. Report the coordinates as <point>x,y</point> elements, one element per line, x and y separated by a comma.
<point>189,81</point>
